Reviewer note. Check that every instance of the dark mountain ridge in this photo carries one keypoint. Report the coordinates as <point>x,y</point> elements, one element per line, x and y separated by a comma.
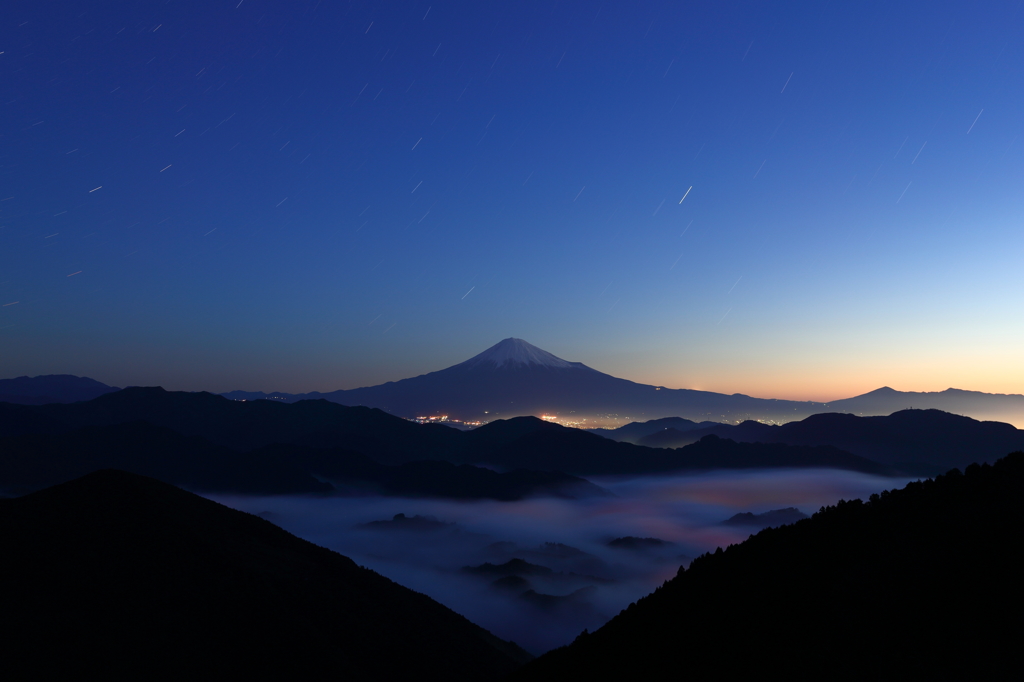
<point>34,461</point>
<point>519,443</point>
<point>928,439</point>
<point>51,388</point>
<point>121,576</point>
<point>1008,407</point>
<point>239,425</point>
<point>634,431</point>
<point>583,453</point>
<point>919,583</point>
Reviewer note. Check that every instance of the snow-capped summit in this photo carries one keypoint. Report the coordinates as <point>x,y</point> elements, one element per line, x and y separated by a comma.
<point>517,353</point>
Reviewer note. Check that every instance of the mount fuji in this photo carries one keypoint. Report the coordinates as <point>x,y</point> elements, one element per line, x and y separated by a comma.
<point>514,378</point>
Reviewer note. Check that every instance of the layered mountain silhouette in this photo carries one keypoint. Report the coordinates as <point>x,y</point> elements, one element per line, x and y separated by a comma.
<point>51,388</point>
<point>983,406</point>
<point>919,583</point>
<point>515,378</point>
<point>32,461</point>
<point>119,576</point>
<point>291,445</point>
<point>634,431</point>
<point>921,441</point>
<point>535,444</point>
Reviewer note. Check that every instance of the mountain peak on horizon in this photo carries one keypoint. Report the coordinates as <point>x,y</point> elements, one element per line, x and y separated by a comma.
<point>512,352</point>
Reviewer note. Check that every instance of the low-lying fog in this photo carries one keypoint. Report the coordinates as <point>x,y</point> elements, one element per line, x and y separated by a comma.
<point>593,579</point>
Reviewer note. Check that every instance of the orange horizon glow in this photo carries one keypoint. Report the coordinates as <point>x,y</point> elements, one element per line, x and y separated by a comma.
<point>829,389</point>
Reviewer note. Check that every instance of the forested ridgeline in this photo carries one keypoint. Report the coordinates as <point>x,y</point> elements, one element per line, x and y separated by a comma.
<point>918,582</point>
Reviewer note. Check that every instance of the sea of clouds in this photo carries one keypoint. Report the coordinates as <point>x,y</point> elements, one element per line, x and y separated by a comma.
<point>593,580</point>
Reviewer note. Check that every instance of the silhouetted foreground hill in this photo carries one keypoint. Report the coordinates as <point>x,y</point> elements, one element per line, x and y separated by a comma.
<point>120,576</point>
<point>919,583</point>
<point>929,440</point>
<point>51,388</point>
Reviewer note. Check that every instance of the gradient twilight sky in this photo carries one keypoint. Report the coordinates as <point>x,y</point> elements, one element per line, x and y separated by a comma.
<point>313,194</point>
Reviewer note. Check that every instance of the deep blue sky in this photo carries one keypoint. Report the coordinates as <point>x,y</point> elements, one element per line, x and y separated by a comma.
<point>311,195</point>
